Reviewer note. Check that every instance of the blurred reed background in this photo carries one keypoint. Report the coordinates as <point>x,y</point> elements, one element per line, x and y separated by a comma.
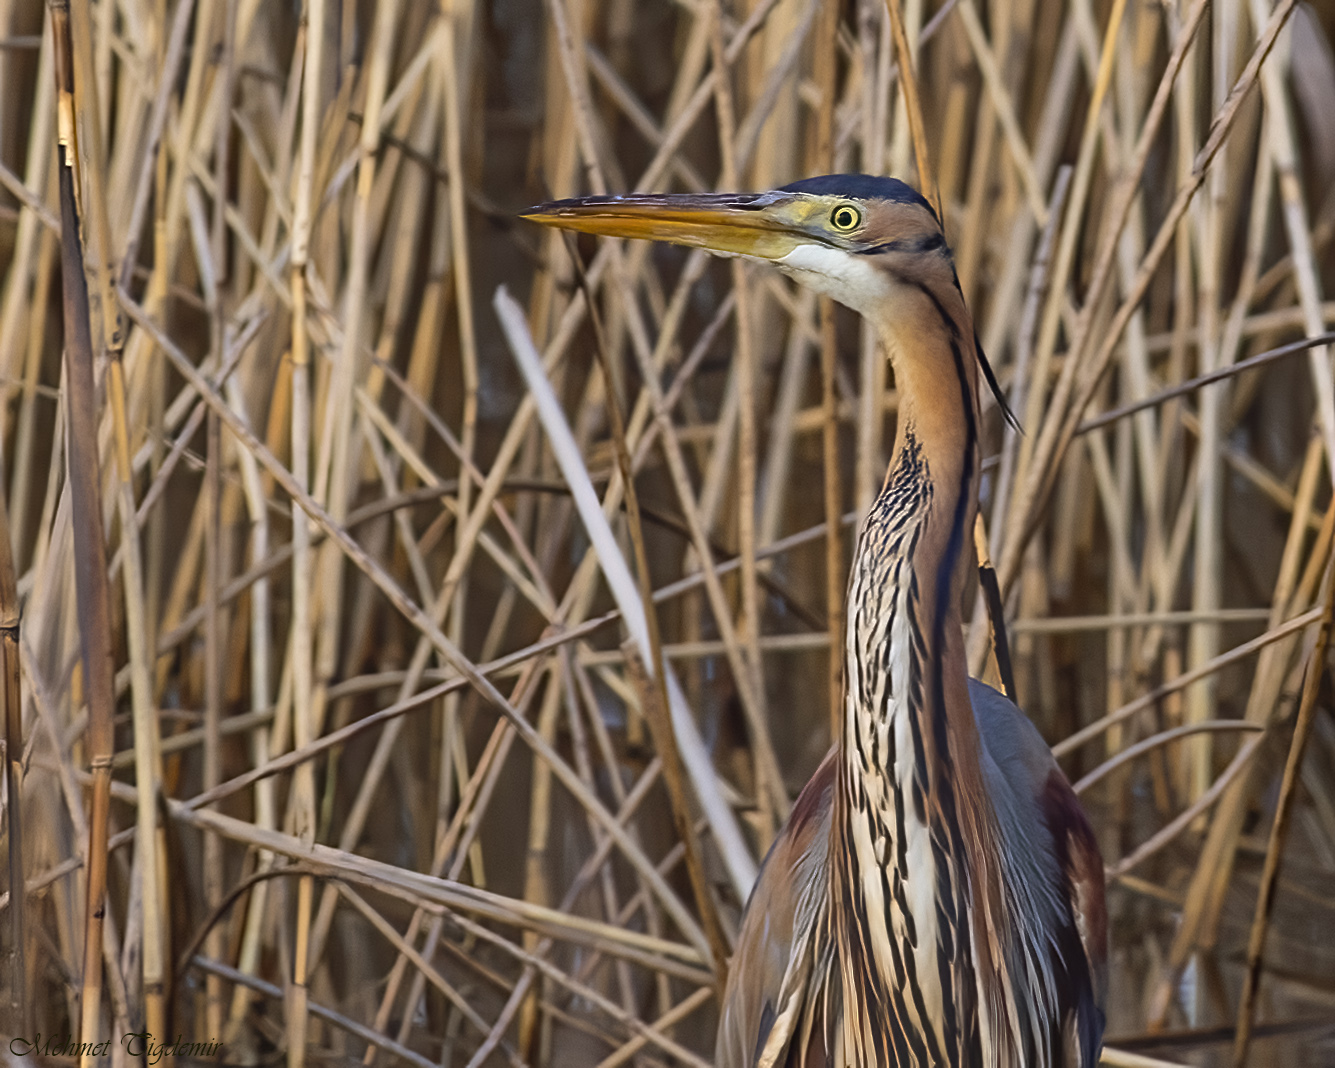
<point>367,773</point>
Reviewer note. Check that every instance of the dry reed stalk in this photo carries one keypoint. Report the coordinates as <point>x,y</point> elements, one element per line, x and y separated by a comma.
<point>260,673</point>
<point>337,457</point>
<point>1204,900</point>
<point>436,894</point>
<point>635,612</point>
<point>302,641</point>
<point>872,91</point>
<point>404,605</point>
<point>16,955</point>
<point>1058,429</point>
<point>37,221</point>
<point>147,742</point>
<point>650,678</point>
<point>773,805</point>
<point>1284,808</point>
<point>1116,1058</point>
<point>822,159</point>
<point>90,551</point>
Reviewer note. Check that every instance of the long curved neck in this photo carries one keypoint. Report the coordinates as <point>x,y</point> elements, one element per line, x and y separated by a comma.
<point>915,545</point>
<point>939,417</point>
<point>911,812</point>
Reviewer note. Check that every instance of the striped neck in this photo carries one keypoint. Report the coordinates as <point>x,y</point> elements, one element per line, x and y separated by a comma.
<point>909,801</point>
<point>913,555</point>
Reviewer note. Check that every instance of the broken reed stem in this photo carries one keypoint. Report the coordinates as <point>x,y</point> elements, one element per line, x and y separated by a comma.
<point>90,559</point>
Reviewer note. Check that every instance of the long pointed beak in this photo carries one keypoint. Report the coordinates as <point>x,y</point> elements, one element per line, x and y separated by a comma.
<point>732,224</point>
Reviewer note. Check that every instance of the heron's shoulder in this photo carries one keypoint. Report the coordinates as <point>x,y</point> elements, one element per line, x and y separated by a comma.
<point>1009,737</point>
<point>813,803</point>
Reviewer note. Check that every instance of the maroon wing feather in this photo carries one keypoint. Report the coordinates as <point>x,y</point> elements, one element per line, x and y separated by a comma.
<point>1081,864</point>
<point>768,979</point>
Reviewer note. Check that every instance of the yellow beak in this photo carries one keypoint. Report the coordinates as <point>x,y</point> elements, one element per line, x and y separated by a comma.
<point>736,224</point>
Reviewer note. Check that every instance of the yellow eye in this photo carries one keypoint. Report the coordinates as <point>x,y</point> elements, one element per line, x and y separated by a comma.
<point>845,218</point>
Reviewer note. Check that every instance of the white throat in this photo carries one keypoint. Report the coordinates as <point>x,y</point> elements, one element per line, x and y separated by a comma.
<point>846,276</point>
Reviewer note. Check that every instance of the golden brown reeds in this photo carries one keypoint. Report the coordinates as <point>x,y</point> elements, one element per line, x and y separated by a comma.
<point>351,735</point>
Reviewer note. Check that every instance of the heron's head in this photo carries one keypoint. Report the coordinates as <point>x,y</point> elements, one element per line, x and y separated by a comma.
<point>852,237</point>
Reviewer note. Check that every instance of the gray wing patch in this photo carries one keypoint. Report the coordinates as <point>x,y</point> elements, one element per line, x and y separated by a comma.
<point>767,1018</point>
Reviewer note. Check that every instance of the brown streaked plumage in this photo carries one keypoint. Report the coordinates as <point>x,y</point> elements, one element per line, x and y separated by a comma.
<point>936,897</point>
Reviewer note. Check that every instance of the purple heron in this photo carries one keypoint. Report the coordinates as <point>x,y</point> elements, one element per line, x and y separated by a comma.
<point>937,895</point>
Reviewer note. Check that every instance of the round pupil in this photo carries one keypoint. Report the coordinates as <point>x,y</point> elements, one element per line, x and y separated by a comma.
<point>845,218</point>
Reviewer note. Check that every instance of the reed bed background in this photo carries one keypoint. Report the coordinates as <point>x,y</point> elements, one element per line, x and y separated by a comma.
<point>324,667</point>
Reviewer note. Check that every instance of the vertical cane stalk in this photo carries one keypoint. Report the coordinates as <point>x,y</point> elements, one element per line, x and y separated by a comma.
<point>303,783</point>
<point>90,556</point>
<point>13,717</point>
